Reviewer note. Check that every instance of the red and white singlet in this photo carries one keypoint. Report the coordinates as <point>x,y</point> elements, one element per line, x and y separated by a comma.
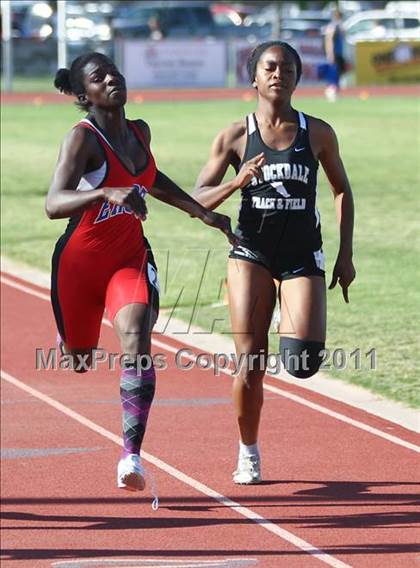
<point>103,260</point>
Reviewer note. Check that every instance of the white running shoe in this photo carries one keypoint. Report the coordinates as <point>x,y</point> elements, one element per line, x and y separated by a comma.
<point>131,473</point>
<point>331,94</point>
<point>248,471</point>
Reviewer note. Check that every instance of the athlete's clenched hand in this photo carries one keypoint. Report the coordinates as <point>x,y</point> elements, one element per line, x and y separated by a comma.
<point>250,169</point>
<point>221,222</point>
<point>130,197</point>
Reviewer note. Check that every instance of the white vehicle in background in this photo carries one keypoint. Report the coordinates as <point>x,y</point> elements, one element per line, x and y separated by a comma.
<point>381,24</point>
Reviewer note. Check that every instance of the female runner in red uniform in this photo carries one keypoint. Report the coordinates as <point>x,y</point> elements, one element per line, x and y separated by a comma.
<point>276,152</point>
<point>103,261</point>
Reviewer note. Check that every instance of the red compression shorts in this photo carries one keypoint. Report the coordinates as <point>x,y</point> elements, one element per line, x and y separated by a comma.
<point>83,287</point>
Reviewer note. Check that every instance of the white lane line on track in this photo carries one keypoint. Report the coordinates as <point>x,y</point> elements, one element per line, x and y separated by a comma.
<point>310,404</point>
<point>158,563</point>
<point>23,288</point>
<point>296,398</point>
<point>176,473</point>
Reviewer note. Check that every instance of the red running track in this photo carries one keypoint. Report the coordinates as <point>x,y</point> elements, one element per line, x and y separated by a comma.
<point>336,493</point>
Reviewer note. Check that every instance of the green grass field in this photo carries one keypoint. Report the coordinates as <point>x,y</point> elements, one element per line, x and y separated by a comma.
<point>380,147</point>
<point>39,84</point>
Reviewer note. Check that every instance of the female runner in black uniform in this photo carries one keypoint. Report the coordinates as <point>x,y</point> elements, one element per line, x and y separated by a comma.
<point>275,153</point>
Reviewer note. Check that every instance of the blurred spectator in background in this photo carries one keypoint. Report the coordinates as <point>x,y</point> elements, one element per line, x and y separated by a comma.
<point>334,49</point>
<point>155,28</point>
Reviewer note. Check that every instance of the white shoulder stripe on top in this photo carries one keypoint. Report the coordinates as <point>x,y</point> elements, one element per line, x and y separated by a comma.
<point>92,180</point>
<point>96,129</point>
<point>302,120</point>
<point>250,122</point>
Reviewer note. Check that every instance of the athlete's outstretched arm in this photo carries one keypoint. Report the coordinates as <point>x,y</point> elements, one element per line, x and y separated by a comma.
<point>209,189</point>
<point>169,192</point>
<point>62,200</point>
<point>332,164</point>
